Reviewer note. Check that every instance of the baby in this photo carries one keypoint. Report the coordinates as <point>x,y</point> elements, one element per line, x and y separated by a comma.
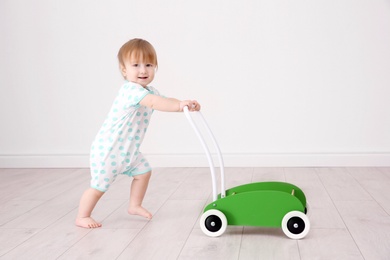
<point>115,149</point>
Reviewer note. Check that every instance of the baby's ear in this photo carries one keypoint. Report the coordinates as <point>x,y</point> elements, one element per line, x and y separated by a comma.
<point>123,70</point>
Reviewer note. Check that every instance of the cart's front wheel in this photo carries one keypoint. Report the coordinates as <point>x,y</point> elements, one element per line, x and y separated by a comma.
<point>213,223</point>
<point>295,225</point>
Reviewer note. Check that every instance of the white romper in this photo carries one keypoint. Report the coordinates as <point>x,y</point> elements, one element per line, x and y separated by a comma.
<point>115,149</point>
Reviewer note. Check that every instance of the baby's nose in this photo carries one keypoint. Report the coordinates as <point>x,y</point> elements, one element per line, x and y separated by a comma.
<point>142,68</point>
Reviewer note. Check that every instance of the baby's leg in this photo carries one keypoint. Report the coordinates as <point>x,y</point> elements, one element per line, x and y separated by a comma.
<point>87,204</point>
<point>139,186</point>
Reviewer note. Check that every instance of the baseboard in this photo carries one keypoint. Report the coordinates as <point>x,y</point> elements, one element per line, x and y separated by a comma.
<point>200,160</point>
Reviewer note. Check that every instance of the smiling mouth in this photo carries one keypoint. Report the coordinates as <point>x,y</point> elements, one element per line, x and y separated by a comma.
<point>142,77</point>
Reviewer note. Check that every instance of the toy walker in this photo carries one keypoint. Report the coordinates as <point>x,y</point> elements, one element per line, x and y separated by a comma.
<point>265,204</point>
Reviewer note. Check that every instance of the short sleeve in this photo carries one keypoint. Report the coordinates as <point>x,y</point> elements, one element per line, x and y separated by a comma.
<point>133,94</point>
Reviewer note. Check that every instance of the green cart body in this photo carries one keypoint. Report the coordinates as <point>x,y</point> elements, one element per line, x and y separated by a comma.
<point>259,204</point>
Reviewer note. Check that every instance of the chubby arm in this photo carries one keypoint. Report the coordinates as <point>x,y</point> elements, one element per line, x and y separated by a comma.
<point>168,104</point>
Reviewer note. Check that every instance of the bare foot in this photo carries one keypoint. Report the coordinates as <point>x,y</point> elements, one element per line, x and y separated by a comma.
<point>87,222</point>
<point>140,211</point>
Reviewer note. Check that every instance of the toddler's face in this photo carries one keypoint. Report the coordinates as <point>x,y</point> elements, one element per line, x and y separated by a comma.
<point>139,71</point>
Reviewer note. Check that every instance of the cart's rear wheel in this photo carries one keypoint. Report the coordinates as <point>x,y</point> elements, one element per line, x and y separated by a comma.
<point>295,225</point>
<point>213,223</point>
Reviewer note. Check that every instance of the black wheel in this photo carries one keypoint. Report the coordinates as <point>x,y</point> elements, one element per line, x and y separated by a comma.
<point>295,225</point>
<point>213,223</point>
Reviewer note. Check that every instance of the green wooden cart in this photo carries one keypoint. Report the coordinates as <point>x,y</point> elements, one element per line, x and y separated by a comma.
<point>265,204</point>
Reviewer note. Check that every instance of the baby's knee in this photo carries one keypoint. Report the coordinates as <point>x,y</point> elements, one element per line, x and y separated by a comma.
<point>145,176</point>
<point>96,192</point>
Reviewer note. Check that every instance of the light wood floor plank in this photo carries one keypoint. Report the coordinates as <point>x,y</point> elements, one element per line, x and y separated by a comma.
<point>48,212</point>
<point>199,246</point>
<point>11,238</point>
<point>335,244</point>
<point>196,186</point>
<point>267,243</point>
<point>385,170</point>
<point>13,209</point>
<point>60,236</point>
<point>376,183</point>
<point>237,176</point>
<point>111,240</point>
<point>166,234</point>
<point>341,185</point>
<point>369,226</point>
<point>268,174</point>
<point>66,180</point>
<point>23,179</point>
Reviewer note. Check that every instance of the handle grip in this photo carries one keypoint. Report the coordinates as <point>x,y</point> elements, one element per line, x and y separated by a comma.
<point>207,151</point>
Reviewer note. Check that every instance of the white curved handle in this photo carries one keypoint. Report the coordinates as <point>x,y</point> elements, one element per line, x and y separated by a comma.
<point>207,151</point>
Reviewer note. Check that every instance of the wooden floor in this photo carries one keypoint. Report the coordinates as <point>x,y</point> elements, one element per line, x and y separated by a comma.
<point>350,216</point>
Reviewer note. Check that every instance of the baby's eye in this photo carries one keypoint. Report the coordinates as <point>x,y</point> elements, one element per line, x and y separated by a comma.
<point>135,65</point>
<point>149,65</point>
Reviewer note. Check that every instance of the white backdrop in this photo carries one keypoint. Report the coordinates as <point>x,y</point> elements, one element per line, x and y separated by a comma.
<point>282,83</point>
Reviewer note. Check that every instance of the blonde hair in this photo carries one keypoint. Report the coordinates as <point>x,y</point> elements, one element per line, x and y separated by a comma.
<point>140,49</point>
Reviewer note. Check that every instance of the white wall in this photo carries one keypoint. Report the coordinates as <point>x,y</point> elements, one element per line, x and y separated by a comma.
<point>282,83</point>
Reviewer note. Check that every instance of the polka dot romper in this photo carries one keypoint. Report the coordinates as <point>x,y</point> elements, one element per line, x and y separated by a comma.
<point>115,149</point>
